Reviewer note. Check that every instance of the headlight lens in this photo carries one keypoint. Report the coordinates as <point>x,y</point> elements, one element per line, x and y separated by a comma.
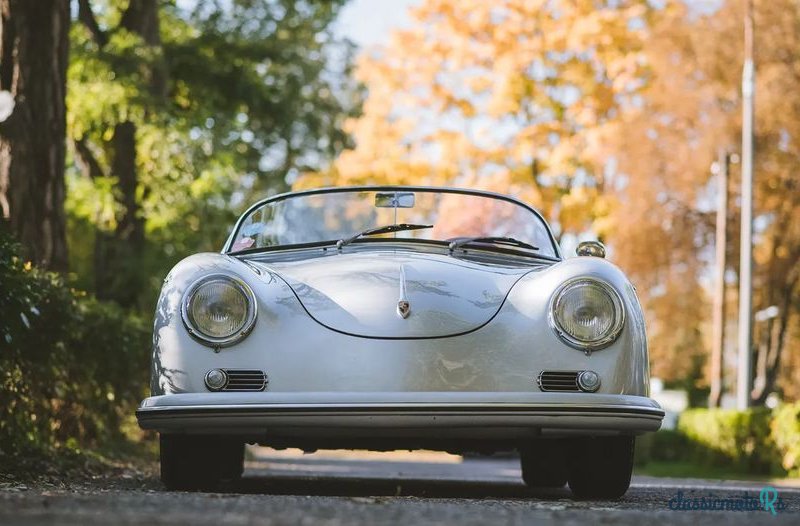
<point>587,314</point>
<point>219,310</point>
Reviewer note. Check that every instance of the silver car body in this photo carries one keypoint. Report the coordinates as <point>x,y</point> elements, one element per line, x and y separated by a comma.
<point>345,369</point>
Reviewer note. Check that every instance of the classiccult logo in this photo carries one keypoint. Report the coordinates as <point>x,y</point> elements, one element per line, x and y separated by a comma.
<point>768,500</point>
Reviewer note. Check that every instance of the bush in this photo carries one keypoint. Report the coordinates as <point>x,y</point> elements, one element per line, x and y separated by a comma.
<point>72,369</point>
<point>756,441</point>
<point>729,438</point>
<point>785,432</point>
<point>664,446</point>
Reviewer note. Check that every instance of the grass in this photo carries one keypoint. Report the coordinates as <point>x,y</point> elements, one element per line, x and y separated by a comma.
<point>683,469</point>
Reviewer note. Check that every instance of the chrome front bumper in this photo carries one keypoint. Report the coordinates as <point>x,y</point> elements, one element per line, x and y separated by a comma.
<point>474,415</point>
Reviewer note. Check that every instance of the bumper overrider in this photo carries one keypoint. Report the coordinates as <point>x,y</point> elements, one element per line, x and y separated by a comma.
<point>506,415</point>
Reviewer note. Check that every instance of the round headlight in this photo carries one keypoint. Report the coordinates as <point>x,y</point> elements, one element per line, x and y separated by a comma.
<point>219,310</point>
<point>587,314</point>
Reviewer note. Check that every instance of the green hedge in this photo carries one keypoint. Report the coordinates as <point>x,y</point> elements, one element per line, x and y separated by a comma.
<point>737,439</point>
<point>666,445</point>
<point>785,432</point>
<point>756,441</point>
<point>72,369</point>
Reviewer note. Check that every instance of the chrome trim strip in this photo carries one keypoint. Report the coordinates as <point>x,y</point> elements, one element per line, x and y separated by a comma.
<point>401,399</point>
<point>403,305</point>
<point>431,420</point>
<point>648,412</point>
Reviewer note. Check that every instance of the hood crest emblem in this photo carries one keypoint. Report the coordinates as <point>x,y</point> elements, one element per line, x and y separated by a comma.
<point>403,305</point>
<point>403,308</point>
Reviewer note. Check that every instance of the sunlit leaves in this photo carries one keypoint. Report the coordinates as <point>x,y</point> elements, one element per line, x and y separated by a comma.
<point>690,108</point>
<point>606,116</point>
<point>505,95</point>
<point>257,91</point>
<point>93,200</point>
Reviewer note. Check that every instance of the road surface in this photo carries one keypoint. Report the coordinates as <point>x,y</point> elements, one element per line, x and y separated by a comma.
<point>347,488</point>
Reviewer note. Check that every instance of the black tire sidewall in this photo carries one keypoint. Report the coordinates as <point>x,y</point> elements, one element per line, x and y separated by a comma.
<point>544,463</point>
<point>601,467</point>
<point>190,462</point>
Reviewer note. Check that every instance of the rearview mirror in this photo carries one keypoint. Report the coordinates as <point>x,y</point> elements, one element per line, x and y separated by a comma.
<point>394,200</point>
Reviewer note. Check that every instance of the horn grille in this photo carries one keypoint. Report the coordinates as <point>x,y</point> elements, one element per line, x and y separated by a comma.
<point>245,380</point>
<point>558,381</point>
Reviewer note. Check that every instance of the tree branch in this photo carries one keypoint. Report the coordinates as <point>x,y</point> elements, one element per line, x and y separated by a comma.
<point>86,16</point>
<point>86,160</point>
<point>141,17</point>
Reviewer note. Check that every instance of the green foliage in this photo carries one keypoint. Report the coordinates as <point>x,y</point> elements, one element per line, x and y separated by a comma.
<point>785,432</point>
<point>104,88</point>
<point>664,446</point>
<point>72,369</point>
<point>254,93</point>
<point>756,441</point>
<point>739,438</point>
<point>689,469</point>
<point>265,81</point>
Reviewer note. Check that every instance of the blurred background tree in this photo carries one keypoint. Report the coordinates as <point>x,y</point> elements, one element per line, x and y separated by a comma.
<point>133,132</point>
<point>516,96</point>
<point>604,115</point>
<point>178,115</point>
<point>691,107</point>
<point>607,117</point>
<point>33,67</point>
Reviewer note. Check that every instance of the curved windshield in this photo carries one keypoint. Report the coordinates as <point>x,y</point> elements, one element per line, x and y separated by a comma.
<point>328,216</point>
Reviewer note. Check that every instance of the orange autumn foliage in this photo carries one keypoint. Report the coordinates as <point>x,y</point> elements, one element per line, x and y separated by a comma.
<point>606,119</point>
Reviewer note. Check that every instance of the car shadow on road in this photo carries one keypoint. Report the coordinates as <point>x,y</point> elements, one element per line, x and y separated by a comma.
<point>384,479</point>
<point>353,487</point>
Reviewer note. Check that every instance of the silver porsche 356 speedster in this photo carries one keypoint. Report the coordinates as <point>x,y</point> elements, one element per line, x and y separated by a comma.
<point>400,318</point>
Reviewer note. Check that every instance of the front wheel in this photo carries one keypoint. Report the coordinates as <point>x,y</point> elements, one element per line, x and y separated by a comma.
<point>196,462</point>
<point>601,467</point>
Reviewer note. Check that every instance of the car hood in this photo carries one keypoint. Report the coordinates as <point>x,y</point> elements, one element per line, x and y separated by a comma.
<point>358,293</point>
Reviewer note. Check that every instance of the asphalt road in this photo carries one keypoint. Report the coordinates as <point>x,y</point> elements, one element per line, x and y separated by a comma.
<point>280,488</point>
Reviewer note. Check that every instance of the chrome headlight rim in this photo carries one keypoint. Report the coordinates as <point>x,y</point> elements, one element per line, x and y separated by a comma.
<point>600,343</point>
<point>234,338</point>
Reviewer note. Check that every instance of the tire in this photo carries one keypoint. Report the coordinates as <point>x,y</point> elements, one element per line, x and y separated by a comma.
<point>544,464</point>
<point>190,462</point>
<point>600,467</point>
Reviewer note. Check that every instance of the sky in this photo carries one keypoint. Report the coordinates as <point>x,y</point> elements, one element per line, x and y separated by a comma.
<point>369,22</point>
<point>365,22</point>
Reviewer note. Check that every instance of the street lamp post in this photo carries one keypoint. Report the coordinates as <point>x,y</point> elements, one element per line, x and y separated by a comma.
<point>744,376</point>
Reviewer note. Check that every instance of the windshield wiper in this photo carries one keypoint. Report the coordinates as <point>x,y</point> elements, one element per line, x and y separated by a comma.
<point>380,230</point>
<point>495,240</point>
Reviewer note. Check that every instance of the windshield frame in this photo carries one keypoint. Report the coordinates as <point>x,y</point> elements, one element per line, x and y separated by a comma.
<point>386,188</point>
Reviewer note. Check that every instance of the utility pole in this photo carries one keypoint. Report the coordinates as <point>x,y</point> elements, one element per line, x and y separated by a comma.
<point>744,376</point>
<point>720,169</point>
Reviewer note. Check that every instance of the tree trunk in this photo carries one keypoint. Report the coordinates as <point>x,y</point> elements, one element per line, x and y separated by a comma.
<point>768,357</point>
<point>141,18</point>
<point>117,275</point>
<point>34,48</point>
